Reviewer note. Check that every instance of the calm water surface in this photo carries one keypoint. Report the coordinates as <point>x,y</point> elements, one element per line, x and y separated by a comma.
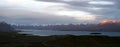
<point>51,32</point>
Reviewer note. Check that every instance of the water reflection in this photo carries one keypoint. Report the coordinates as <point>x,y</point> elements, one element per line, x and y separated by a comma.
<point>51,32</point>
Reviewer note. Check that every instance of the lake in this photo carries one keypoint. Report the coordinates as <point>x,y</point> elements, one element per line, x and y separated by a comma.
<point>51,32</point>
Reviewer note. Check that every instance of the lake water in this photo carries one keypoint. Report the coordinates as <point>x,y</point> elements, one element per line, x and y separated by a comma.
<point>51,32</point>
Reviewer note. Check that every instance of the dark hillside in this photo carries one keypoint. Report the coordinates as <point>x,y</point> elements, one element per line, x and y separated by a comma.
<point>5,27</point>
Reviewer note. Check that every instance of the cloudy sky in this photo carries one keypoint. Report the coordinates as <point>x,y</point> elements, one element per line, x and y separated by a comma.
<point>58,11</point>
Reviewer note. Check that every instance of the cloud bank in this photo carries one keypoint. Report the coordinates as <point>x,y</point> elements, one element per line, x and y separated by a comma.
<point>58,11</point>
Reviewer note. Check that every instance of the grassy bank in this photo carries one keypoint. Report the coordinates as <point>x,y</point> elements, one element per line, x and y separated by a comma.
<point>12,39</point>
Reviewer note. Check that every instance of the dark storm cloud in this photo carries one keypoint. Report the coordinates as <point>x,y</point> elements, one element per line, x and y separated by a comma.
<point>82,3</point>
<point>107,11</point>
<point>72,3</point>
<point>51,0</point>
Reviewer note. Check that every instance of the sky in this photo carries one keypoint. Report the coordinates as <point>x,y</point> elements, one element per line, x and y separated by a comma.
<point>58,11</point>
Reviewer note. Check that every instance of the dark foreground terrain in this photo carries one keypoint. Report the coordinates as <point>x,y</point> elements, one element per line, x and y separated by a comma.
<point>12,39</point>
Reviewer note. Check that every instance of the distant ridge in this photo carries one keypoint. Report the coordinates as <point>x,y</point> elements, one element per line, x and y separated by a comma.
<point>5,26</point>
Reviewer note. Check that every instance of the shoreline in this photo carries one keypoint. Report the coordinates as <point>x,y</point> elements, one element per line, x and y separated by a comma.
<point>77,33</point>
<point>68,30</point>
